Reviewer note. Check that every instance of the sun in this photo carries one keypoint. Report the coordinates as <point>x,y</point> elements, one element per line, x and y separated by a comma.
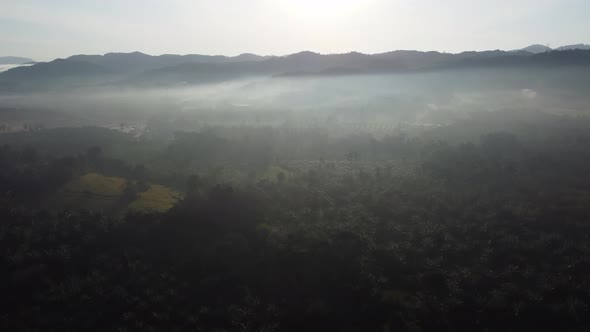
<point>322,9</point>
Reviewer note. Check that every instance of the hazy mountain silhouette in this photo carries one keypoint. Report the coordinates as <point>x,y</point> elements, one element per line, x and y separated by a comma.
<point>536,48</point>
<point>246,57</point>
<point>146,70</point>
<point>14,60</point>
<point>56,74</point>
<point>574,47</point>
<point>138,62</point>
<point>54,69</point>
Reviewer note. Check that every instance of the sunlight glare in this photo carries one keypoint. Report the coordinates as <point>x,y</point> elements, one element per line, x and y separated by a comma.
<point>323,9</point>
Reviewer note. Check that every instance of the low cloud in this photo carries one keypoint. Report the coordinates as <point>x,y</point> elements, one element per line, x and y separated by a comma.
<point>4,68</point>
<point>529,93</point>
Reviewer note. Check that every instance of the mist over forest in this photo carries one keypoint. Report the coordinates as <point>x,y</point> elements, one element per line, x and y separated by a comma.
<point>410,191</point>
<point>415,97</point>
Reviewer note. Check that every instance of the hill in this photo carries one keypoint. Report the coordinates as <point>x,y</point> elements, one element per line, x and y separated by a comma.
<point>536,48</point>
<point>54,69</point>
<point>574,47</point>
<point>57,74</point>
<point>14,60</point>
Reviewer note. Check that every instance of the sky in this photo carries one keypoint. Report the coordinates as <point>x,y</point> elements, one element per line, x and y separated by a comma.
<point>49,29</point>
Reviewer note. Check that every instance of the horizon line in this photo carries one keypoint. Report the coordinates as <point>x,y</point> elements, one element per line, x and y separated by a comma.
<point>290,54</point>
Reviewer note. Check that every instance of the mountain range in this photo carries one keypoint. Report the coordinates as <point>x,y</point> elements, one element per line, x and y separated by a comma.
<point>138,69</point>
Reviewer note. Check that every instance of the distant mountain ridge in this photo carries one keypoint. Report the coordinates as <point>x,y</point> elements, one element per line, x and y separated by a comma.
<point>59,67</point>
<point>574,47</point>
<point>309,63</point>
<point>139,69</point>
<point>138,62</point>
<point>537,48</point>
<point>14,60</point>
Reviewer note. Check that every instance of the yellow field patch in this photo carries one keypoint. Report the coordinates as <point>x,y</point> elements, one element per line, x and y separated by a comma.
<point>97,184</point>
<point>272,174</point>
<point>157,199</point>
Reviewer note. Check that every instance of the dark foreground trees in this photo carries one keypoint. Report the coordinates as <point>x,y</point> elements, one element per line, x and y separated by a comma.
<point>490,235</point>
<point>370,252</point>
